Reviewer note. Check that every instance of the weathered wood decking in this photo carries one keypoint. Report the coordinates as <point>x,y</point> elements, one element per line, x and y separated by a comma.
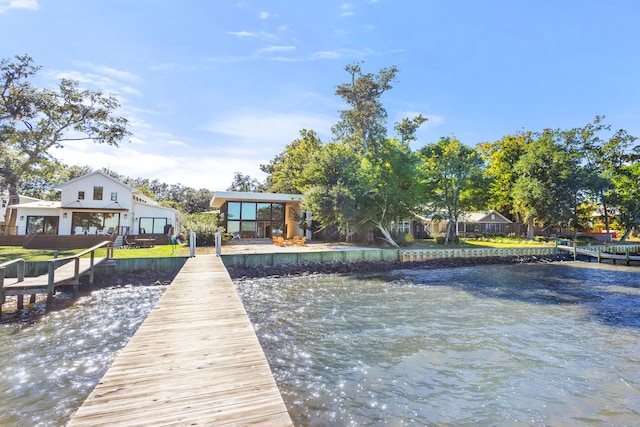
<point>605,253</point>
<point>194,361</point>
<point>65,274</point>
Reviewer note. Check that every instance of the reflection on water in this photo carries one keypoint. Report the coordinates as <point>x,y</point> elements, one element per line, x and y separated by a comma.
<point>48,367</point>
<point>544,344</point>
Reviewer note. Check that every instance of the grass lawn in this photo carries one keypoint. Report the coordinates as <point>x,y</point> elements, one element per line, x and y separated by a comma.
<point>12,252</point>
<point>472,243</point>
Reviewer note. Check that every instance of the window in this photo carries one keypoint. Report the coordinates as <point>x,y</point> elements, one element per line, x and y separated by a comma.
<point>114,197</point>
<point>248,210</point>
<point>42,224</point>
<point>97,193</point>
<point>252,219</point>
<point>152,225</point>
<point>233,210</point>
<point>80,195</point>
<point>100,220</point>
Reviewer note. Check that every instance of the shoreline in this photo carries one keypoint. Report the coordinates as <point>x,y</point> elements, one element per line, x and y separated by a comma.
<point>360,267</point>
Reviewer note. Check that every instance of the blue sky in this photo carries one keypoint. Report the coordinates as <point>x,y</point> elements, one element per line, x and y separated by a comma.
<point>217,87</point>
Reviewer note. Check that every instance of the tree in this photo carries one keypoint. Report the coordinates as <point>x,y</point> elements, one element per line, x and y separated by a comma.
<point>548,186</point>
<point>243,182</point>
<point>500,158</point>
<point>332,188</point>
<point>286,168</point>
<point>453,180</point>
<point>601,159</point>
<point>363,126</point>
<point>390,184</point>
<point>407,128</point>
<point>32,121</point>
<point>626,196</point>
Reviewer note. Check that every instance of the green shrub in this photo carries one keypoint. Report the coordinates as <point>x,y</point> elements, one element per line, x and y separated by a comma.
<point>204,225</point>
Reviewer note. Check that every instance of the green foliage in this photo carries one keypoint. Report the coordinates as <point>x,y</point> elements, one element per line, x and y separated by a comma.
<point>453,182</point>
<point>285,170</point>
<point>243,182</point>
<point>500,158</point>
<point>330,183</point>
<point>363,126</point>
<point>547,187</point>
<point>32,121</point>
<point>204,225</point>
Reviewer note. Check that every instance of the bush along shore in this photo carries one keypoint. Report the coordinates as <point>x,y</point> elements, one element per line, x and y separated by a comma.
<point>362,267</point>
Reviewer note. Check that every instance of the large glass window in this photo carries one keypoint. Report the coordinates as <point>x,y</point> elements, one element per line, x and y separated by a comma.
<point>42,224</point>
<point>99,220</point>
<point>248,210</point>
<point>248,229</point>
<point>152,225</point>
<point>251,219</point>
<point>277,211</point>
<point>233,227</point>
<point>233,210</point>
<point>264,211</point>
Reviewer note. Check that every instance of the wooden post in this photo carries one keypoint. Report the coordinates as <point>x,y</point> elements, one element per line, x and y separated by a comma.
<point>599,254</point>
<point>76,276</point>
<point>91,268</point>
<point>51,284</point>
<point>1,289</point>
<point>626,255</point>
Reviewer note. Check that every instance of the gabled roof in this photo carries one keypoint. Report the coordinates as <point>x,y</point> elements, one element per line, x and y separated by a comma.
<point>476,216</point>
<point>95,172</point>
<point>220,197</point>
<point>485,216</point>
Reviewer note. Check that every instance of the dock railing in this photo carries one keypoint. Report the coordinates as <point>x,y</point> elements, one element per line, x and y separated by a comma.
<point>20,268</point>
<point>76,259</point>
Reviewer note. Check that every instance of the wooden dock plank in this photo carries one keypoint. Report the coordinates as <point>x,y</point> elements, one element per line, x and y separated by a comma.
<point>195,360</point>
<point>63,273</point>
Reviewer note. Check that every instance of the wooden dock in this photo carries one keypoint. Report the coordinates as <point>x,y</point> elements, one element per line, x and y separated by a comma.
<point>614,253</point>
<point>61,272</point>
<point>194,361</point>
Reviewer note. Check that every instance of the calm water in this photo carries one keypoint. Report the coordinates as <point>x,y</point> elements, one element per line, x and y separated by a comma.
<point>545,344</point>
<point>49,366</point>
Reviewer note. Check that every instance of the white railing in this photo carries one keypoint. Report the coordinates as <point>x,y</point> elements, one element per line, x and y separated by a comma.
<point>427,254</point>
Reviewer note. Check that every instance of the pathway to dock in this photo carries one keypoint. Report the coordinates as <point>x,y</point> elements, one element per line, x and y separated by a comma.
<point>194,361</point>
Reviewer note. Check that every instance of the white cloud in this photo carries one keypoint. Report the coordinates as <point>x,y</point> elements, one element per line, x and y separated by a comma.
<point>192,168</point>
<point>266,15</point>
<point>241,33</point>
<point>347,9</point>
<point>5,5</point>
<point>272,48</point>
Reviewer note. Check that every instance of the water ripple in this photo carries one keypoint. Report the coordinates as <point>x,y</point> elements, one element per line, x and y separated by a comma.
<point>495,345</point>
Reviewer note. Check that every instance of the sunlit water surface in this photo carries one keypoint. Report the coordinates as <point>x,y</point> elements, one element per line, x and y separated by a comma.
<point>544,344</point>
<point>49,366</point>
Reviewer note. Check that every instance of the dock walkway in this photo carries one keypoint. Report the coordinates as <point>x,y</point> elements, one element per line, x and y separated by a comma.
<point>194,361</point>
<point>605,253</point>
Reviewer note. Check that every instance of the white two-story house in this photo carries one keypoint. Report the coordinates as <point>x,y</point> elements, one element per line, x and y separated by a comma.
<point>94,204</point>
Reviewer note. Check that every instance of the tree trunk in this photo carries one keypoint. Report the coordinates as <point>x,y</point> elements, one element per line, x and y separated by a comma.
<point>387,236</point>
<point>530,230</point>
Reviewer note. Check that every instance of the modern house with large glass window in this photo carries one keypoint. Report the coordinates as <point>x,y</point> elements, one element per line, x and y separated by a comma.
<point>92,204</point>
<point>248,215</point>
